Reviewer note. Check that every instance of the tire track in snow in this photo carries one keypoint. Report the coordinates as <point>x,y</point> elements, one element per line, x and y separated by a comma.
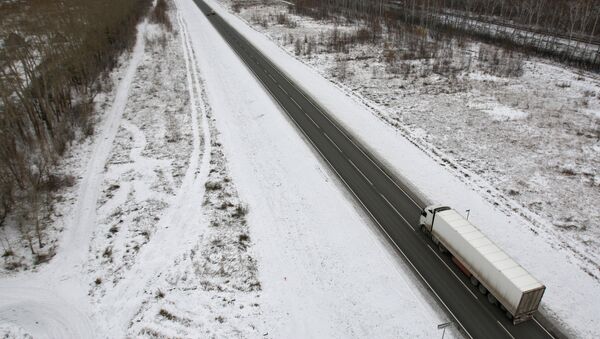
<point>183,222</point>
<point>143,165</point>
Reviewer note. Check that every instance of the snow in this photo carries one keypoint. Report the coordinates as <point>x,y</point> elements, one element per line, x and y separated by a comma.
<point>48,303</point>
<point>447,114</point>
<point>14,332</point>
<point>323,272</point>
<point>199,210</point>
<point>572,293</point>
<point>580,49</point>
<point>501,112</point>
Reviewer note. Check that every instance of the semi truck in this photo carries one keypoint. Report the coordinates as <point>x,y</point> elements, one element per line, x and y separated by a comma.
<point>489,268</point>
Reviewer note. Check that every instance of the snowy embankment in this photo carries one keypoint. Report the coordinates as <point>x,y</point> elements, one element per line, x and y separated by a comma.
<point>572,295</point>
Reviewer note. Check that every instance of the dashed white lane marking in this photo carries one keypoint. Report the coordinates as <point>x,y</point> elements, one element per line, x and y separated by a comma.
<point>504,328</point>
<point>395,210</point>
<point>284,91</point>
<point>333,142</point>
<point>347,137</point>
<point>297,104</point>
<point>359,171</point>
<point>451,271</point>
<point>314,123</point>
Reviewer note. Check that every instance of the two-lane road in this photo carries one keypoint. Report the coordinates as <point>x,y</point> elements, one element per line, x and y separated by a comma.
<point>390,204</point>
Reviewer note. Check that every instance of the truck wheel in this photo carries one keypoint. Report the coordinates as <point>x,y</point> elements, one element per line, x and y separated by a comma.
<point>508,315</point>
<point>492,299</point>
<point>474,281</point>
<point>482,289</point>
<point>441,248</point>
<point>424,229</point>
<point>502,308</point>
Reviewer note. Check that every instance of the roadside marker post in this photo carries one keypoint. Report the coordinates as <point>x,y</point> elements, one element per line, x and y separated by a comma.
<point>443,327</point>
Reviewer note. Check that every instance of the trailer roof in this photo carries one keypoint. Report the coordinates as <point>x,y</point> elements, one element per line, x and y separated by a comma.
<point>494,254</point>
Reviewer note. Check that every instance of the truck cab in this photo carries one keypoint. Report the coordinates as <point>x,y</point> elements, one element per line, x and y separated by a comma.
<point>428,216</point>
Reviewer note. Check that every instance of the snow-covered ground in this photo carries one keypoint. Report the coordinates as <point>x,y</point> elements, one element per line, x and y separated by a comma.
<point>146,249</point>
<point>529,130</point>
<point>535,139</point>
<point>198,211</point>
<point>324,272</point>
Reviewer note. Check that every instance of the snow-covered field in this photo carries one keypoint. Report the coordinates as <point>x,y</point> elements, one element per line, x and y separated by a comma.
<point>535,139</point>
<point>422,119</point>
<point>154,240</point>
<point>198,211</point>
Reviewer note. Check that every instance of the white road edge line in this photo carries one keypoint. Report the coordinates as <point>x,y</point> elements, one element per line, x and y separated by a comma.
<point>338,128</point>
<point>382,228</point>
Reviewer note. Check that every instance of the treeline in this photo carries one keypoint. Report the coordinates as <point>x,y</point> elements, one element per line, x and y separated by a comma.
<point>53,57</point>
<point>540,26</point>
<point>574,18</point>
<point>569,17</point>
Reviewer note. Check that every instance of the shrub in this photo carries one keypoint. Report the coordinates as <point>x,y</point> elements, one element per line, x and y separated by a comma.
<point>107,252</point>
<point>167,314</point>
<point>211,185</point>
<point>240,210</point>
<point>160,15</point>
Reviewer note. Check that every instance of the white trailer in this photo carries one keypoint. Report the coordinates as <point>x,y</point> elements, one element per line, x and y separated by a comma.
<point>504,281</point>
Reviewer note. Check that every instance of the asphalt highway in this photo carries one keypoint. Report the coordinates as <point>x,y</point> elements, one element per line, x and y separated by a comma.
<point>390,204</point>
